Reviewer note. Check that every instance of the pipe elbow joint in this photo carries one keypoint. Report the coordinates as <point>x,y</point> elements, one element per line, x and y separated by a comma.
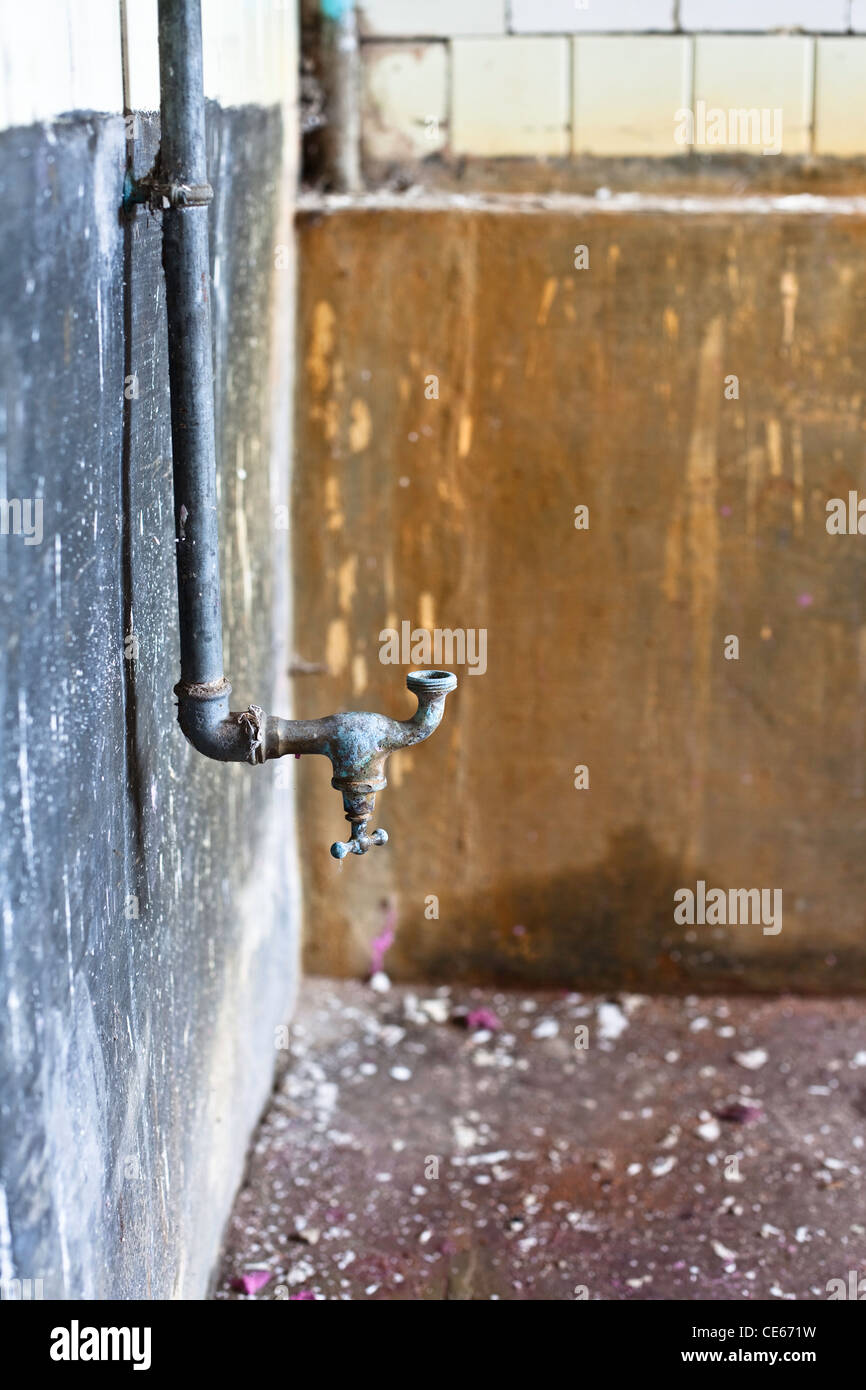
<point>216,731</point>
<point>358,743</point>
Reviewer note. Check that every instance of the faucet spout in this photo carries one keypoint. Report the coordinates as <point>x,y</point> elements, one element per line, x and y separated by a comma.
<point>431,688</point>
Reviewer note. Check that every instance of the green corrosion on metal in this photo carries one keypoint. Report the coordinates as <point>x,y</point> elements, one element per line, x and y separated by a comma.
<point>336,9</point>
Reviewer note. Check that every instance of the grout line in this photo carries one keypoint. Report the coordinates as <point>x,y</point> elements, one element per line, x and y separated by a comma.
<point>813,122</point>
<point>376,40</point>
<point>693,65</point>
<point>449,99</point>
<point>571,96</point>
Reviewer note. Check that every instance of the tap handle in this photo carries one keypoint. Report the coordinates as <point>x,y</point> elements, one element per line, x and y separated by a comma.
<point>359,843</point>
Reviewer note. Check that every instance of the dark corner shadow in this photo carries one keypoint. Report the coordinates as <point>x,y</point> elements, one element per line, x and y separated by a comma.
<point>611,927</point>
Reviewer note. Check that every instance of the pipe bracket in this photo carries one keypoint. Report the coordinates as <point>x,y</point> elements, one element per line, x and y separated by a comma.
<point>157,195</point>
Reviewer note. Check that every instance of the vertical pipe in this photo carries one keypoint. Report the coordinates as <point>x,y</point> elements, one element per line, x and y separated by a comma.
<point>357,744</point>
<point>340,62</point>
<point>186,264</point>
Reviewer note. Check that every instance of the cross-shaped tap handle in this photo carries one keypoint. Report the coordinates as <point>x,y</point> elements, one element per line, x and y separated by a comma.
<point>359,843</point>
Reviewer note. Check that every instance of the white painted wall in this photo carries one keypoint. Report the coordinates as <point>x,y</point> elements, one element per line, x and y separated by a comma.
<point>59,56</point>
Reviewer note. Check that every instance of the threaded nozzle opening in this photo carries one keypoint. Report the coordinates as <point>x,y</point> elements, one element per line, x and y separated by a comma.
<point>431,682</point>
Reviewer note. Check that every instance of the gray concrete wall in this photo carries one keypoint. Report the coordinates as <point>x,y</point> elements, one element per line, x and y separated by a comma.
<point>149,914</point>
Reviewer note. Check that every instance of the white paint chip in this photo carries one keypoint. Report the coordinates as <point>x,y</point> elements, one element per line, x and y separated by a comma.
<point>546,1028</point>
<point>612,1022</point>
<point>660,1167</point>
<point>723,1252</point>
<point>752,1060</point>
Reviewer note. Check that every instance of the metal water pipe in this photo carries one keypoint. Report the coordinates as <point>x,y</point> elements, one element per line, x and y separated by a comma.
<point>357,743</point>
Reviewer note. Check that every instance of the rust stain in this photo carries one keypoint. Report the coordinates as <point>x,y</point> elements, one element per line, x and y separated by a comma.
<point>359,675</point>
<point>673,563</point>
<point>347,582</point>
<point>797,504</point>
<point>703,554</point>
<point>321,346</point>
<point>361,427</point>
<point>464,439</point>
<point>790,289</point>
<point>547,297</point>
<point>754,477</point>
<point>619,633</point>
<point>450,493</point>
<point>334,517</point>
<point>337,646</point>
<point>426,611</point>
<point>774,447</point>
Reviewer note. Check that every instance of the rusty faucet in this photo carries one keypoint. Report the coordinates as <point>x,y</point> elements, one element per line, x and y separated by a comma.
<point>358,743</point>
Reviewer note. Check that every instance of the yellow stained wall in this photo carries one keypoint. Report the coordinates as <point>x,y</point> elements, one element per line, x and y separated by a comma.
<point>603,387</point>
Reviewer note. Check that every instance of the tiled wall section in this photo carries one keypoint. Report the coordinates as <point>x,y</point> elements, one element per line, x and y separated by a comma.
<point>608,77</point>
<point>525,80</point>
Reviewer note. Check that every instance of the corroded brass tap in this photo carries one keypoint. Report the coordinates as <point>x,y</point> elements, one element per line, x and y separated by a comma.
<point>358,743</point>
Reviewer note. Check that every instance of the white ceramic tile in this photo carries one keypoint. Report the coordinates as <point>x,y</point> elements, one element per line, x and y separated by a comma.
<point>389,19</point>
<point>510,96</point>
<point>627,89</point>
<point>405,99</point>
<point>757,16</point>
<point>754,74</point>
<point>840,97</point>
<point>591,16</point>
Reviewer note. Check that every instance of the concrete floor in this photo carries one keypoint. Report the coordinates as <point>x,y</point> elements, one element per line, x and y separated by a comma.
<point>675,1149</point>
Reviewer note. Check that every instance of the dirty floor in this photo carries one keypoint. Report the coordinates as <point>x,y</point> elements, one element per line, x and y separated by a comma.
<point>465,1144</point>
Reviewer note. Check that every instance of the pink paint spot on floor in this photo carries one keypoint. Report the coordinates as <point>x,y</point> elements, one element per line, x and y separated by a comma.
<point>483,1018</point>
<point>252,1281</point>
